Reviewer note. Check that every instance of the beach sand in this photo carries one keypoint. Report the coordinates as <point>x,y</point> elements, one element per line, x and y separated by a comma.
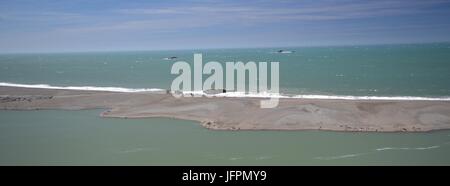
<point>220,113</point>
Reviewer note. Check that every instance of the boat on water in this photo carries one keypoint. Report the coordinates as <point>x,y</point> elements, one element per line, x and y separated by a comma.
<point>171,58</point>
<point>285,51</point>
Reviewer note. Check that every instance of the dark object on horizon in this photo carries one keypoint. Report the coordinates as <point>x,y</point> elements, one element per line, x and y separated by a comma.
<point>285,51</point>
<point>170,58</point>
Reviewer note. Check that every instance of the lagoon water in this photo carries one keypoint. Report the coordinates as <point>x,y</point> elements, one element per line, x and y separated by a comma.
<point>83,138</point>
<point>48,137</point>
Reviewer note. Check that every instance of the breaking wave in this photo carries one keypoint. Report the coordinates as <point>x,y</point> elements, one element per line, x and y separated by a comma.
<point>340,157</point>
<point>380,149</point>
<point>229,94</point>
<point>89,88</point>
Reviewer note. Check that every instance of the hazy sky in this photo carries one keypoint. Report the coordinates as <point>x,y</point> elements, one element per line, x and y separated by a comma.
<point>87,25</point>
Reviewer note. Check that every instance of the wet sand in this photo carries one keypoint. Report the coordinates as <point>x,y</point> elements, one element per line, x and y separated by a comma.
<point>242,113</point>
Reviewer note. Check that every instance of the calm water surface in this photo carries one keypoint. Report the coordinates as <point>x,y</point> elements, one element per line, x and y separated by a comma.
<point>49,137</point>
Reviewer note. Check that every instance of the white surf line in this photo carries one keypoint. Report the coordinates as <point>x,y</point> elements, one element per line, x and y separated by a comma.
<point>138,149</point>
<point>382,149</point>
<point>330,97</point>
<point>341,156</point>
<point>387,98</point>
<point>407,148</point>
<point>229,94</point>
<point>87,88</point>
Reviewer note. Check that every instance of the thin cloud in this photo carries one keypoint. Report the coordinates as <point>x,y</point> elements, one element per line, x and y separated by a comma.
<point>202,15</point>
<point>315,11</point>
<point>233,23</point>
<point>45,16</point>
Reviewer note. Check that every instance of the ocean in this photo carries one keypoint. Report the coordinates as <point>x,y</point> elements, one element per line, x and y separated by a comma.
<point>421,70</point>
<point>406,71</point>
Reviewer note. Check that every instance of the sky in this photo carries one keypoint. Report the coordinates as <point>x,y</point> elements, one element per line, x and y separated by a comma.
<point>109,25</point>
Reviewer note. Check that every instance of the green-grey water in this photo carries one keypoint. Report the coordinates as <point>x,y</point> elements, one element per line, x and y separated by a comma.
<point>383,70</point>
<point>83,138</point>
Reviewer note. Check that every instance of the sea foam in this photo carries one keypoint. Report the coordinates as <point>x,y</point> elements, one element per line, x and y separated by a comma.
<point>231,94</point>
<point>332,97</point>
<point>89,88</point>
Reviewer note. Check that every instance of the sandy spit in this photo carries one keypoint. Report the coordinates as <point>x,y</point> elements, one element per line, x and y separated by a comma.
<point>242,113</point>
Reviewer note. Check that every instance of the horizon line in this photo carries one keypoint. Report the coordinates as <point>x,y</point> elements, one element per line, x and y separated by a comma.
<point>218,48</point>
